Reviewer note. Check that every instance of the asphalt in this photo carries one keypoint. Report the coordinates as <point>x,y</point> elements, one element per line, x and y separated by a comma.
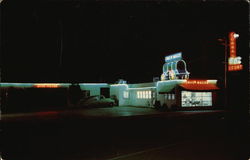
<point>121,112</point>
<point>121,133</point>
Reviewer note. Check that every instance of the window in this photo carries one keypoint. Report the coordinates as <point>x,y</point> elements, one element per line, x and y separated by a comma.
<point>189,99</point>
<point>173,96</point>
<point>169,96</point>
<point>125,94</point>
<point>153,94</point>
<point>144,94</point>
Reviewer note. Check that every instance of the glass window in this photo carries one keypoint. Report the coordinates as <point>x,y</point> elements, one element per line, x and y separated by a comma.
<point>173,96</point>
<point>125,94</point>
<point>169,96</point>
<point>196,98</point>
<point>146,94</point>
<point>138,94</point>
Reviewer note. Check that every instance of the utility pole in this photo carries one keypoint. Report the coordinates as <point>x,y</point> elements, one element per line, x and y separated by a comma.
<point>225,77</point>
<point>225,44</point>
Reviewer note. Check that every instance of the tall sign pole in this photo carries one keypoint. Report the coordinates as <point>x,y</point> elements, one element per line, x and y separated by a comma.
<point>233,62</point>
<point>225,67</point>
<point>225,70</point>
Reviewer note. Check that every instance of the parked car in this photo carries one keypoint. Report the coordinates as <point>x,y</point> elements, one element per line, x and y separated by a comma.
<point>96,101</point>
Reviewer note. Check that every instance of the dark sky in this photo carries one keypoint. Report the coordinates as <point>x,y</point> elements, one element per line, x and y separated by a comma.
<point>103,41</point>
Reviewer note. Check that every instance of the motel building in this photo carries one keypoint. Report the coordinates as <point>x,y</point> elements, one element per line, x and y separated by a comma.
<point>173,91</point>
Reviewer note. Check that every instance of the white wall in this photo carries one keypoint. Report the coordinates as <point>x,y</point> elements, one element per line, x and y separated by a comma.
<point>135,101</point>
<point>94,88</point>
<point>117,89</point>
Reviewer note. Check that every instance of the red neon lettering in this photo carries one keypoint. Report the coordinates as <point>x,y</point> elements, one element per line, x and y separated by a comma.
<point>235,67</point>
<point>232,44</point>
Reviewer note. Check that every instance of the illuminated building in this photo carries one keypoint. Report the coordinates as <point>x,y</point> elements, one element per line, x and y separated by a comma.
<point>175,90</point>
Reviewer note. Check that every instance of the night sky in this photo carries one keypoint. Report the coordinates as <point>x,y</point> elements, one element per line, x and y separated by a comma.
<point>101,41</point>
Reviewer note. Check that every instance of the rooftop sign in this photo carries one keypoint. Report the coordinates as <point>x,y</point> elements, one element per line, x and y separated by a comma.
<point>173,57</point>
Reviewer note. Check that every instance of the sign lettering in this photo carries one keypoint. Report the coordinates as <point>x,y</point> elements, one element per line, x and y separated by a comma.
<point>173,57</point>
<point>234,62</point>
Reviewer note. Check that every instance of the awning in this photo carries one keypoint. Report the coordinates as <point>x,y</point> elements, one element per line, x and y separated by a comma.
<point>199,87</point>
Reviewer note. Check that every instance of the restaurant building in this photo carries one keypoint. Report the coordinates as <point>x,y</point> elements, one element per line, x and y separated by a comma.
<point>175,90</point>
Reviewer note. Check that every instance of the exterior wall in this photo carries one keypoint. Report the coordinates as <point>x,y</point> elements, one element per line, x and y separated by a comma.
<point>135,101</point>
<point>166,101</point>
<point>117,90</point>
<point>178,96</point>
<point>132,89</point>
<point>214,99</point>
<point>93,88</point>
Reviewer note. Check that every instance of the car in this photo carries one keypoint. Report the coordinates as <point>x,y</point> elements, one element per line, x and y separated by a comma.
<point>96,101</point>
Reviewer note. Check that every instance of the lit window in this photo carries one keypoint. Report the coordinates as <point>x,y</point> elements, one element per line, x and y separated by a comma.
<point>173,96</point>
<point>149,94</point>
<point>196,99</point>
<point>138,94</point>
<point>169,96</point>
<point>125,94</point>
<point>146,94</point>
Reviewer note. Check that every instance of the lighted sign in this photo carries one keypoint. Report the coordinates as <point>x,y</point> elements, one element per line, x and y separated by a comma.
<point>234,62</point>
<point>173,57</point>
<point>46,85</point>
<point>196,82</point>
<point>236,67</point>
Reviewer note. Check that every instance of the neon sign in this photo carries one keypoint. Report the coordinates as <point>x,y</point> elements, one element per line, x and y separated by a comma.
<point>234,63</point>
<point>46,85</point>
<point>173,57</point>
<point>197,82</point>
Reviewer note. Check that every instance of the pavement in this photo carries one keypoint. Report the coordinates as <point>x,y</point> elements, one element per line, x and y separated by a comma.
<point>193,149</point>
<point>102,113</point>
<point>121,133</point>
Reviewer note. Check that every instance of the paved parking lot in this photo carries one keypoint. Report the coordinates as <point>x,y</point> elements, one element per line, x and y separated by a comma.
<point>98,113</point>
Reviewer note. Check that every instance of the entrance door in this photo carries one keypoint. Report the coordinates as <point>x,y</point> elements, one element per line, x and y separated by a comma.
<point>105,92</point>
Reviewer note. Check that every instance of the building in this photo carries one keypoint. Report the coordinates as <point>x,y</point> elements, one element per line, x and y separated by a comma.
<point>170,93</point>
<point>174,90</point>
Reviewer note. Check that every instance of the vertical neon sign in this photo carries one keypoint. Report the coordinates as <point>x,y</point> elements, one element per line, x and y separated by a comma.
<point>234,63</point>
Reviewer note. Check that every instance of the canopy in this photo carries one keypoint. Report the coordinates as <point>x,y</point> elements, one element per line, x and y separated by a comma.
<point>199,87</point>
